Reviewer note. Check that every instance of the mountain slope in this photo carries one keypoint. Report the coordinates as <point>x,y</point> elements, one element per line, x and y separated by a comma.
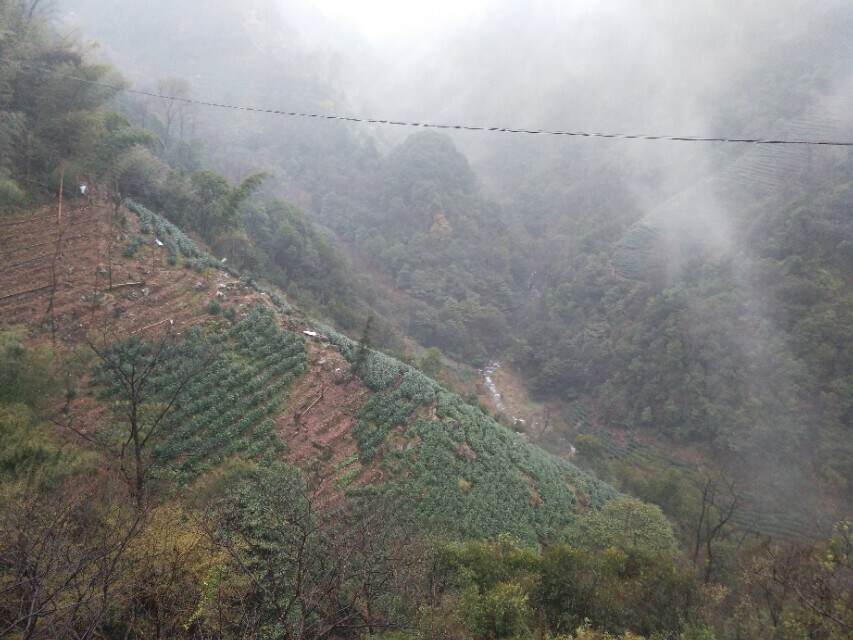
<point>363,421</point>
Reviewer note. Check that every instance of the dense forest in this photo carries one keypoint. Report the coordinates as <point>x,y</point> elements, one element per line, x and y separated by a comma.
<point>281,441</point>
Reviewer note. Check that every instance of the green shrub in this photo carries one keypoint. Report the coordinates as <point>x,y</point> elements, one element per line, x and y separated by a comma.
<point>11,195</point>
<point>29,454</point>
<point>26,374</point>
<point>133,246</point>
<point>625,523</point>
<point>501,612</point>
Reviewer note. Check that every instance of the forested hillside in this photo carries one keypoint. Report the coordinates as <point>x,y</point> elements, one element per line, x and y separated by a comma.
<point>429,227</point>
<point>744,347</point>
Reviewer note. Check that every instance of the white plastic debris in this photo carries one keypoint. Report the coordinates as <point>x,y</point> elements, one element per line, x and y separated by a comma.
<point>313,334</point>
<point>159,243</point>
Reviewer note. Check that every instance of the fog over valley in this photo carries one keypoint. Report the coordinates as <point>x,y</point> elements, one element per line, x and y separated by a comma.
<point>404,320</point>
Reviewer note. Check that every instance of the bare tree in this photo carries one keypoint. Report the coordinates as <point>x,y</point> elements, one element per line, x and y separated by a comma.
<point>317,568</point>
<point>812,583</point>
<point>116,198</point>
<point>32,7</point>
<point>133,366</point>
<point>719,501</point>
<point>62,553</point>
<point>175,113</point>
<point>50,313</point>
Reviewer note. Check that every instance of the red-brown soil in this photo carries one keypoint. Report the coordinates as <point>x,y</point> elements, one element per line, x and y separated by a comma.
<point>319,416</point>
<point>55,278</point>
<point>55,282</point>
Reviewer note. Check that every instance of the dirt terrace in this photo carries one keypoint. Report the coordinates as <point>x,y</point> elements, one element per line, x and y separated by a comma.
<point>55,278</point>
<point>55,281</point>
<point>318,420</point>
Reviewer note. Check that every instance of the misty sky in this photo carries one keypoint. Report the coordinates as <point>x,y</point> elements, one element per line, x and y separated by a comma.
<point>399,18</point>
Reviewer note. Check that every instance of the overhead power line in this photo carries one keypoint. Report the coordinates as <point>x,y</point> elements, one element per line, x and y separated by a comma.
<point>458,127</point>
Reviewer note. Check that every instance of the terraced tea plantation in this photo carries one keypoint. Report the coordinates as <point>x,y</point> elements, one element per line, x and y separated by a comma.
<point>177,243</point>
<point>634,257</point>
<point>467,474</point>
<point>226,409</point>
<point>792,524</point>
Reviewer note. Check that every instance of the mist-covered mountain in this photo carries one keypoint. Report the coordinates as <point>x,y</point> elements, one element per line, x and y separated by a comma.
<point>674,320</point>
<point>650,283</point>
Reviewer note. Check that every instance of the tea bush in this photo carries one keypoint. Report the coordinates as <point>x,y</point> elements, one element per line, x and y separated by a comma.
<point>468,474</point>
<point>175,240</point>
<point>228,408</point>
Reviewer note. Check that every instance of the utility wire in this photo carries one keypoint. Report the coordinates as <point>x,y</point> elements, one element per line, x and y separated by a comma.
<point>459,127</point>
